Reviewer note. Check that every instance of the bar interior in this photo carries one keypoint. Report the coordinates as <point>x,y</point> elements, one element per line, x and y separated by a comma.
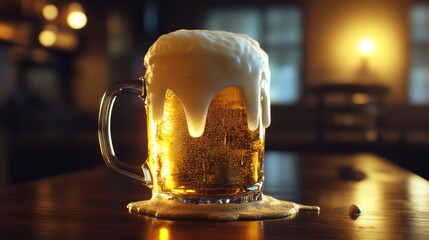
<point>347,76</point>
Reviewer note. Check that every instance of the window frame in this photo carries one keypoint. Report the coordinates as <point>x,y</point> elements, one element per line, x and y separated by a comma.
<point>263,10</point>
<point>417,45</point>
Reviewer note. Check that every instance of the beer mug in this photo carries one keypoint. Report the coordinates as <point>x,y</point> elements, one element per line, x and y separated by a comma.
<point>210,156</point>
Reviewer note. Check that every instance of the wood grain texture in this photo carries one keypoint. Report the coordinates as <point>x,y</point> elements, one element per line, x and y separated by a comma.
<point>92,204</point>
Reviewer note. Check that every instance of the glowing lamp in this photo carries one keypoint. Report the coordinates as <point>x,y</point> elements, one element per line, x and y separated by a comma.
<point>366,47</point>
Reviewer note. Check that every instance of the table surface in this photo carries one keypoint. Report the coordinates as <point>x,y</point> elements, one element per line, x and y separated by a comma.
<point>91,204</point>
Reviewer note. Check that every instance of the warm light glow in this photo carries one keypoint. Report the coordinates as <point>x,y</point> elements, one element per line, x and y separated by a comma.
<point>342,59</point>
<point>167,130</point>
<point>50,12</point>
<point>47,38</point>
<point>7,32</point>
<point>77,19</point>
<point>418,194</point>
<point>366,47</point>
<point>361,98</point>
<point>66,40</point>
<point>164,233</point>
<point>158,150</point>
<point>253,230</point>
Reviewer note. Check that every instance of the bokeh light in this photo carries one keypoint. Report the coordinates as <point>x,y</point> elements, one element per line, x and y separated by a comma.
<point>50,12</point>
<point>76,18</point>
<point>47,38</point>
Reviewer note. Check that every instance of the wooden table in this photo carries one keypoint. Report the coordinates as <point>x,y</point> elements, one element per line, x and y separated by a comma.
<point>91,204</point>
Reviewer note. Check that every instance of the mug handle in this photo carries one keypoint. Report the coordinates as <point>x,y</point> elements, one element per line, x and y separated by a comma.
<point>130,86</point>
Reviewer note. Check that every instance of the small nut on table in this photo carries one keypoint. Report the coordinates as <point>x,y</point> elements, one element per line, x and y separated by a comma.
<point>354,210</point>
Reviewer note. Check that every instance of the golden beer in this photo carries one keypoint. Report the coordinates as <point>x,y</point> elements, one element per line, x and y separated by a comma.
<point>226,161</point>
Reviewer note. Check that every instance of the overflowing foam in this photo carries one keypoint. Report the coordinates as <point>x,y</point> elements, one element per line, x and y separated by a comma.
<point>267,208</point>
<point>197,64</point>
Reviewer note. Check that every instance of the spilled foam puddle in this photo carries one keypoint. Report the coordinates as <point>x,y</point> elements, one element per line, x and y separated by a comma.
<point>267,208</point>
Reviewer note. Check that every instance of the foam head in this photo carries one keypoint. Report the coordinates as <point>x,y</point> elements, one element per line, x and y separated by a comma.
<point>197,64</point>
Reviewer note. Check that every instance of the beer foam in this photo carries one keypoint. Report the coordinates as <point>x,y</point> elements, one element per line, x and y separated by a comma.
<point>267,208</point>
<point>197,64</point>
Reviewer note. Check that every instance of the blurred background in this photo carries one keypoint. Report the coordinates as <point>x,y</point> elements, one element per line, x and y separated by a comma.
<point>347,76</point>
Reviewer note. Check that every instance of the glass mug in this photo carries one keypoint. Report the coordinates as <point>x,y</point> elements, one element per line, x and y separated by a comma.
<point>224,165</point>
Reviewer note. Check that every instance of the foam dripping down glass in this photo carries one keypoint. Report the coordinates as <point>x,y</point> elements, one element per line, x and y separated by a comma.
<point>208,104</point>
